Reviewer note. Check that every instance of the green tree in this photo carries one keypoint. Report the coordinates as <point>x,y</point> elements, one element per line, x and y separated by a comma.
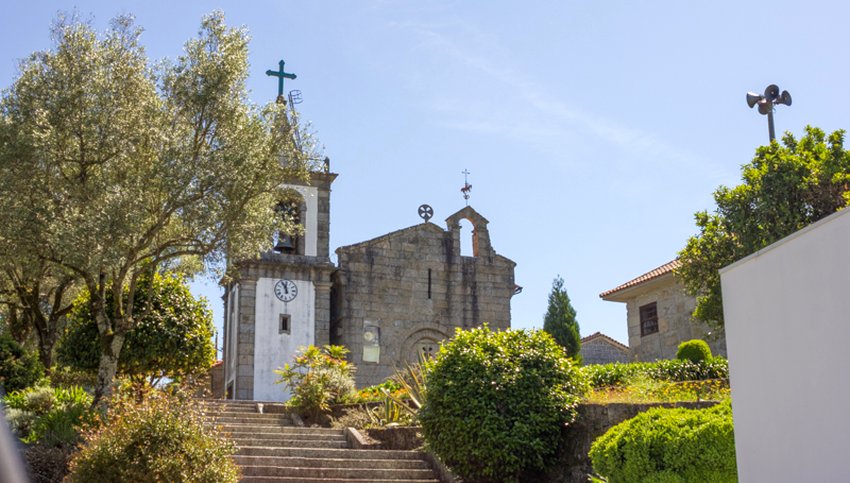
<point>115,167</point>
<point>172,336</point>
<point>786,187</point>
<point>560,319</point>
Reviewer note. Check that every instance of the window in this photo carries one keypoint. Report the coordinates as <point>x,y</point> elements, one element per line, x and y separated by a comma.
<point>648,319</point>
<point>284,326</point>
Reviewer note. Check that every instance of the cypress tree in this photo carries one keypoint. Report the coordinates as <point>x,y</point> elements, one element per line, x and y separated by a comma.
<point>560,319</point>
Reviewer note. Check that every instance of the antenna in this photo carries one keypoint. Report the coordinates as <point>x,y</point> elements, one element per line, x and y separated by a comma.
<point>295,98</point>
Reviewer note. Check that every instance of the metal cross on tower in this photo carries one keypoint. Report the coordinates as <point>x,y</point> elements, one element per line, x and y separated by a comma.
<point>466,186</point>
<point>281,75</point>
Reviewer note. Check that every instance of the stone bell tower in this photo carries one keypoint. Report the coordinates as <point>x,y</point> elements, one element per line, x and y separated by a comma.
<point>281,301</point>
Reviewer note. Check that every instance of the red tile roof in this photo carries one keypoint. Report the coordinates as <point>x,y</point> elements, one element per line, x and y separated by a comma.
<point>600,335</point>
<point>650,275</point>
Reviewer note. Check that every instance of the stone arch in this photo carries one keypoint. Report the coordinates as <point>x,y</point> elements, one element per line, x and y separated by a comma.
<point>292,203</point>
<point>423,335</point>
<point>480,234</point>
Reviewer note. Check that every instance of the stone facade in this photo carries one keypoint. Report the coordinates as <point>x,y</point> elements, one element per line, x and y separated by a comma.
<point>598,348</point>
<point>400,294</point>
<point>673,308</point>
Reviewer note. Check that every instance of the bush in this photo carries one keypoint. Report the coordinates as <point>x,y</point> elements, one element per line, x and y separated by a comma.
<point>670,446</point>
<point>496,402</point>
<point>317,379</point>
<point>675,370</point>
<point>694,350</point>
<point>19,369</point>
<point>50,416</point>
<point>154,436</point>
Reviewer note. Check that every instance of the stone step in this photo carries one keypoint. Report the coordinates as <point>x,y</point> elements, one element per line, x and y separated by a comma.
<point>328,453</point>
<point>253,419</point>
<point>399,464</point>
<point>299,479</point>
<point>243,435</point>
<point>289,443</point>
<point>269,428</point>
<point>337,473</point>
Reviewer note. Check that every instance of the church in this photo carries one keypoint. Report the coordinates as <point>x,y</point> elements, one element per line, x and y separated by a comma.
<point>388,299</point>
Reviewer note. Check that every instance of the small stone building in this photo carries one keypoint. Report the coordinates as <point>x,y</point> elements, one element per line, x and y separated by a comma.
<point>658,313</point>
<point>598,348</point>
<point>389,299</point>
<point>397,296</point>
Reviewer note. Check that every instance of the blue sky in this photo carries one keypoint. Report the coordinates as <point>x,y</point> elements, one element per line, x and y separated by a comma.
<point>592,130</point>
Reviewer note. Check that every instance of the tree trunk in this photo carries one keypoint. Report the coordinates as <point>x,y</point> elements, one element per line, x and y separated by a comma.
<point>107,368</point>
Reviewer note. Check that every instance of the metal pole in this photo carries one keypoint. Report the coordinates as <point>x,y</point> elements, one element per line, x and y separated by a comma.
<point>770,124</point>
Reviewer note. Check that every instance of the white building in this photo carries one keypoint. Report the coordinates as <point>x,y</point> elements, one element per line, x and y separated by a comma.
<point>787,312</point>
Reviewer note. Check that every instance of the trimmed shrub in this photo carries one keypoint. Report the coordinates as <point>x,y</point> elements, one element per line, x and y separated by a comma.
<point>154,436</point>
<point>50,416</point>
<point>673,370</point>
<point>317,379</point>
<point>496,402</point>
<point>694,350</point>
<point>670,446</point>
<point>19,369</point>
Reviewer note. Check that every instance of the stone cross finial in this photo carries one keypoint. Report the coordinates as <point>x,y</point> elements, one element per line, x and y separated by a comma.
<point>281,75</point>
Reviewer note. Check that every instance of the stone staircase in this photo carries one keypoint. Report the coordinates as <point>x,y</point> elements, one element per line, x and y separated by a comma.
<point>272,449</point>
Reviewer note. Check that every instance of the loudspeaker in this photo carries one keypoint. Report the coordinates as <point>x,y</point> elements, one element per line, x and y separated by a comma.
<point>765,107</point>
<point>752,99</point>
<point>785,98</point>
<point>772,92</point>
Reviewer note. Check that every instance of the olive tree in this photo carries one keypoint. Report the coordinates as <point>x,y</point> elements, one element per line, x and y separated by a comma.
<point>114,166</point>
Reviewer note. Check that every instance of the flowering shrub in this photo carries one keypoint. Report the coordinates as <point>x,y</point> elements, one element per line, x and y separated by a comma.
<point>375,393</point>
<point>152,435</point>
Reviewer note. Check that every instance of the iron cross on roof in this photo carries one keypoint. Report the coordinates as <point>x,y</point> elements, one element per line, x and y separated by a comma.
<point>466,186</point>
<point>281,75</point>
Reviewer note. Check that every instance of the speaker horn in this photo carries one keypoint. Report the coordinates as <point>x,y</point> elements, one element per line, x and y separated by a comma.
<point>785,98</point>
<point>752,99</point>
<point>772,92</point>
<point>765,107</point>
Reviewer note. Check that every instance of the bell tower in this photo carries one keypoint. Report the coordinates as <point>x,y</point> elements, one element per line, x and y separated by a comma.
<point>281,301</point>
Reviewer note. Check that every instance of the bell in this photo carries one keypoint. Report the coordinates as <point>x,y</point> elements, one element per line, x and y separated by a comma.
<point>285,244</point>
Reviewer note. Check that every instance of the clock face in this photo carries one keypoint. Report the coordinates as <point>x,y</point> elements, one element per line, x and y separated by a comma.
<point>285,290</point>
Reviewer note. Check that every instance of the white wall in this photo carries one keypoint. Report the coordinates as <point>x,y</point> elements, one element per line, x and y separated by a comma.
<point>273,349</point>
<point>311,224</point>
<point>787,312</point>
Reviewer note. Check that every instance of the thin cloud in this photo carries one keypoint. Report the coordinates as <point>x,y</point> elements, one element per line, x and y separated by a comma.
<point>549,119</point>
